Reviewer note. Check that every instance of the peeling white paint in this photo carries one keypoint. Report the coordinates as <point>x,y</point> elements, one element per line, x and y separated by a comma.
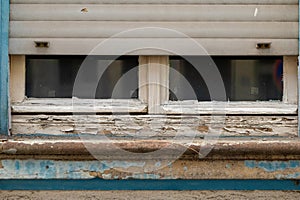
<point>255,12</point>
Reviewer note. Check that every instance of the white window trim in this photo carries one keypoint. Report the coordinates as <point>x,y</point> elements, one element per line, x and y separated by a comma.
<point>288,105</point>
<point>21,104</point>
<point>153,95</point>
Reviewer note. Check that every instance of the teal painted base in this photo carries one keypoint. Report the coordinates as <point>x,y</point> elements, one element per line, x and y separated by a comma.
<point>100,184</point>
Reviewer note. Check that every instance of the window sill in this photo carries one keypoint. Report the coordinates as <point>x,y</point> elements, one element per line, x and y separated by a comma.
<point>60,105</point>
<point>158,125</point>
<point>235,108</point>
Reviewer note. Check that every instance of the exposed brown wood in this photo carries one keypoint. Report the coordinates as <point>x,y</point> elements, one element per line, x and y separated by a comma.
<point>75,105</point>
<point>17,78</point>
<point>160,126</point>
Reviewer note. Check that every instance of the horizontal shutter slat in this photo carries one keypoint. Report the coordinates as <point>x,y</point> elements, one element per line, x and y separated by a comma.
<point>219,46</point>
<point>100,29</point>
<point>73,12</point>
<point>158,1</point>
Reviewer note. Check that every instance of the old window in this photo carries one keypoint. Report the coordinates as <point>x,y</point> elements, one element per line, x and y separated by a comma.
<point>45,84</point>
<point>245,78</point>
<point>163,85</point>
<point>54,76</point>
<point>253,85</point>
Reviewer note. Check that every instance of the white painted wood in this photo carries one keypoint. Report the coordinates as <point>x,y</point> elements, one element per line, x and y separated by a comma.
<point>17,78</point>
<point>143,78</point>
<point>290,89</point>
<point>155,125</point>
<point>222,108</point>
<point>157,1</point>
<point>157,12</point>
<point>181,46</point>
<point>40,105</point>
<point>156,69</point>
<point>102,29</point>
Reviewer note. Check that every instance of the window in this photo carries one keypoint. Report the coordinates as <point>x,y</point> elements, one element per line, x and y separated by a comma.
<point>265,84</point>
<point>54,76</point>
<point>155,94</point>
<point>245,78</point>
<point>253,85</point>
<point>44,84</point>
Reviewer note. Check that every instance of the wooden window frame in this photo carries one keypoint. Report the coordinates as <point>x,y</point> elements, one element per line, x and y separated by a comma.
<point>242,118</point>
<point>160,75</point>
<point>153,94</point>
<point>22,104</point>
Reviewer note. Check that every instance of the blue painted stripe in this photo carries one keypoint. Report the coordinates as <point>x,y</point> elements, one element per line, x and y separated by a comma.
<point>100,184</point>
<point>4,67</point>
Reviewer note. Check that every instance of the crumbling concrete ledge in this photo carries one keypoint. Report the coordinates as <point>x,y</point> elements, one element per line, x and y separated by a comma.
<point>87,149</point>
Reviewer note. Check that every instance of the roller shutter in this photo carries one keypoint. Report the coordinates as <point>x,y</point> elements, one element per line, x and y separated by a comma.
<point>222,27</point>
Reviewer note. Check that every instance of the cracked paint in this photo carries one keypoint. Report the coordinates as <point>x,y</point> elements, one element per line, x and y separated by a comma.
<point>47,169</point>
<point>273,166</point>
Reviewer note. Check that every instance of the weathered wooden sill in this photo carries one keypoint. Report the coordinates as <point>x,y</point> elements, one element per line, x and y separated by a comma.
<point>59,105</point>
<point>75,105</point>
<point>219,149</point>
<point>234,108</point>
<point>159,125</point>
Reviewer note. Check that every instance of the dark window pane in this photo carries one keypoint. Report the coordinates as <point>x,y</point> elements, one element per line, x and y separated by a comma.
<point>245,79</point>
<point>54,76</point>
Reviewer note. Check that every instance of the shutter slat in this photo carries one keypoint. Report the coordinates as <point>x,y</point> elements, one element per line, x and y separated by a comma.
<point>73,12</point>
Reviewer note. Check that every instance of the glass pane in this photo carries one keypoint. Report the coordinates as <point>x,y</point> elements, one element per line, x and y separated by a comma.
<point>245,79</point>
<point>54,76</point>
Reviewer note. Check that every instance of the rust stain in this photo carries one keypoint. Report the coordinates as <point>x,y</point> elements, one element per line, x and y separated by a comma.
<point>95,174</point>
<point>202,128</point>
<point>104,131</point>
<point>84,10</point>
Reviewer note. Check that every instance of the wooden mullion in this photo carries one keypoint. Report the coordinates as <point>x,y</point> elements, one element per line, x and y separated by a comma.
<point>290,93</point>
<point>17,78</point>
<point>154,79</point>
